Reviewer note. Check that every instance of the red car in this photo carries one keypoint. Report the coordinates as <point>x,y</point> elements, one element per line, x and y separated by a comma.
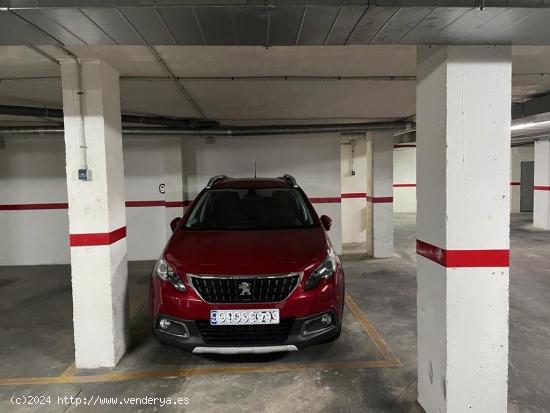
<point>248,269</point>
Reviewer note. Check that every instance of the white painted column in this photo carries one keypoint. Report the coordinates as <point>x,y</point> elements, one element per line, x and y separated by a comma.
<point>379,220</point>
<point>463,188</point>
<point>541,206</point>
<point>354,187</point>
<point>97,216</point>
<point>173,180</point>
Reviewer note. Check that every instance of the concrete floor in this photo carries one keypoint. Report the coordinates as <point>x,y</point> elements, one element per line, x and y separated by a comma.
<point>354,374</point>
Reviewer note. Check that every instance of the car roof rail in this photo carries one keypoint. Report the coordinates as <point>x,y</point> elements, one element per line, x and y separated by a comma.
<point>291,180</point>
<point>215,179</point>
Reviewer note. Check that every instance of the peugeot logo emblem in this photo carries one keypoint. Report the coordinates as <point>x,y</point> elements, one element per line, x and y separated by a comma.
<point>245,288</point>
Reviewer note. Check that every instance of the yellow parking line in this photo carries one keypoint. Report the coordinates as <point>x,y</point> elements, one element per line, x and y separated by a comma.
<point>198,371</point>
<point>68,376</point>
<point>34,380</point>
<point>374,335</point>
<point>69,371</point>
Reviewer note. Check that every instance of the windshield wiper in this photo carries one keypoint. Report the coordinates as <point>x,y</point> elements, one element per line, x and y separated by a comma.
<point>248,227</point>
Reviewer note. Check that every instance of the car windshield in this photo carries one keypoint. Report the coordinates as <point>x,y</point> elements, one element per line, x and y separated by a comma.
<point>250,208</point>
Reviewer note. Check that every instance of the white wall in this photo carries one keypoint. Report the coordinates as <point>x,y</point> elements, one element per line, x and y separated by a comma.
<point>404,172</point>
<point>519,154</point>
<point>32,171</point>
<point>143,171</point>
<point>404,179</point>
<point>314,160</point>
<point>404,185</point>
<point>353,186</point>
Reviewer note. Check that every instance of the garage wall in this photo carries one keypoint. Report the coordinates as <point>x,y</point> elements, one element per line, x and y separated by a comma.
<point>354,187</point>
<point>32,172</point>
<point>519,154</point>
<point>404,184</point>
<point>404,179</point>
<point>33,195</point>
<point>144,171</point>
<point>314,160</point>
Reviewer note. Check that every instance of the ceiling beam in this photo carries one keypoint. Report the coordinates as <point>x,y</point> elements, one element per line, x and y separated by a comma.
<point>531,107</point>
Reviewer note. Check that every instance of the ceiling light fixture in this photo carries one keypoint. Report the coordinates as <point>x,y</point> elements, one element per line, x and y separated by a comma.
<point>529,125</point>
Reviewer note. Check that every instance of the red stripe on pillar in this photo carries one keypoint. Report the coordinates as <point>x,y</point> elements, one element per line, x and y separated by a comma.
<point>354,195</point>
<point>29,207</point>
<point>404,185</point>
<point>541,188</point>
<point>327,200</point>
<point>463,258</point>
<point>95,239</point>
<point>401,145</point>
<point>380,199</point>
<point>515,183</point>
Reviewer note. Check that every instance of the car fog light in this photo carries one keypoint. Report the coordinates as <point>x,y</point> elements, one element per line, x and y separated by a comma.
<point>318,324</point>
<point>326,319</point>
<point>164,324</point>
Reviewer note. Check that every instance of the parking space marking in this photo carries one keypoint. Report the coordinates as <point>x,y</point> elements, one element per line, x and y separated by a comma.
<point>374,335</point>
<point>69,371</point>
<point>69,377</point>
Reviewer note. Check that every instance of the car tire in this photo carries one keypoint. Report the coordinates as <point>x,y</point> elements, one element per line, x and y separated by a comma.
<point>339,332</point>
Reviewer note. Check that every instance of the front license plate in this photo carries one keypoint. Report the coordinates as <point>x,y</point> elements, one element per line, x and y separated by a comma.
<point>244,317</point>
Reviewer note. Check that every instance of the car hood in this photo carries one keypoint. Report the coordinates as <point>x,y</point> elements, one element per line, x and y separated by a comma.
<point>246,252</point>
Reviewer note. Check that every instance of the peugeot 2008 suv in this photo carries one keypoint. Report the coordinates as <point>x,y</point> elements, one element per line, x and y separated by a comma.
<point>248,269</point>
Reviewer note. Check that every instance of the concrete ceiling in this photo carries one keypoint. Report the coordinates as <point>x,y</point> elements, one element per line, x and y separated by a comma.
<point>253,84</point>
<point>273,23</point>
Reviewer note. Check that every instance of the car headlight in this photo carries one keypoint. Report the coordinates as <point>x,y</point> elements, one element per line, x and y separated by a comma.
<point>326,270</point>
<point>165,272</point>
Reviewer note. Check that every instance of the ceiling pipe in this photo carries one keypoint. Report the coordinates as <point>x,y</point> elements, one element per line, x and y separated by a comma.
<point>138,119</point>
<point>530,138</point>
<point>227,130</point>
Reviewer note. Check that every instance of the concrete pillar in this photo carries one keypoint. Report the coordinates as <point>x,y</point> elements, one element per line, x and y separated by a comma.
<point>97,216</point>
<point>379,220</point>
<point>541,206</point>
<point>353,186</point>
<point>463,188</point>
<point>173,180</point>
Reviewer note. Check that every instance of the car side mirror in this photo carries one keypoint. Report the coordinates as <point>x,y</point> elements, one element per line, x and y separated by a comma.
<point>326,221</point>
<point>174,223</point>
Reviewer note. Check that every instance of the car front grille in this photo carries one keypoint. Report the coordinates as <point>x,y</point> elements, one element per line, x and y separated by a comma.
<point>244,289</point>
<point>245,334</point>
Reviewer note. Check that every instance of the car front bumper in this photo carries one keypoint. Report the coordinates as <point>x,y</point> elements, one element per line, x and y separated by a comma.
<point>303,332</point>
